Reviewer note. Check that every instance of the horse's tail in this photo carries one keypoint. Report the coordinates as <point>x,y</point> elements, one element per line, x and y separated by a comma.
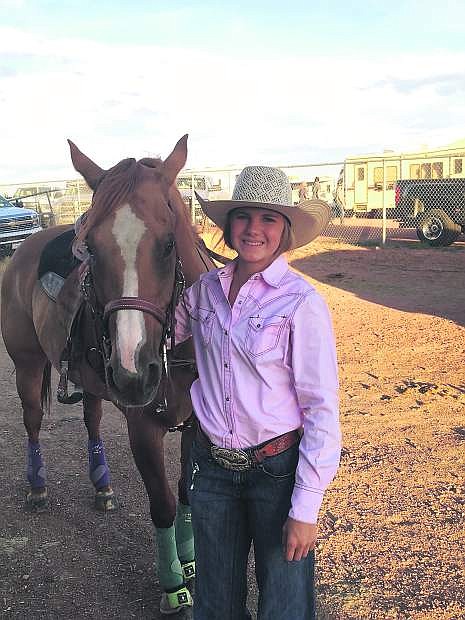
<point>46,390</point>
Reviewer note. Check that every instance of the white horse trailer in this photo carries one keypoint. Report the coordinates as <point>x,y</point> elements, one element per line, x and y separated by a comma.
<point>366,182</point>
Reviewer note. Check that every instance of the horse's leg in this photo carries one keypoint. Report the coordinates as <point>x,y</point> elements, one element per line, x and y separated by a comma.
<point>146,440</point>
<point>99,472</point>
<point>183,524</point>
<point>29,377</point>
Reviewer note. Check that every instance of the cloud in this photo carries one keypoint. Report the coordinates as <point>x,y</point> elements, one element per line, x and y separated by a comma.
<point>116,101</point>
<point>442,84</point>
<point>13,4</point>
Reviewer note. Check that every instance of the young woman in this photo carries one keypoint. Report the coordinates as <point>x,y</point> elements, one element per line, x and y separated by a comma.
<point>267,405</point>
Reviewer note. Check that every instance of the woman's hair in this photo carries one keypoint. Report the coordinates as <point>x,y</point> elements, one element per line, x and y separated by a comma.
<point>287,238</point>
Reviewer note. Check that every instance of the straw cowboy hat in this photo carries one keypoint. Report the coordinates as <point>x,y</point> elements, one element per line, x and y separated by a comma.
<point>263,187</point>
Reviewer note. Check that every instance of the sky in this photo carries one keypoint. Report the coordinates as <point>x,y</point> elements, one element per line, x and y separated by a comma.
<point>251,82</point>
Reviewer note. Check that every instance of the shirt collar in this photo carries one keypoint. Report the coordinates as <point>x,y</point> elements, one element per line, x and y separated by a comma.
<point>272,275</point>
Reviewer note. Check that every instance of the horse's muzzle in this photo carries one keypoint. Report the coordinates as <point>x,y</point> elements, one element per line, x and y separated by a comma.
<point>133,389</point>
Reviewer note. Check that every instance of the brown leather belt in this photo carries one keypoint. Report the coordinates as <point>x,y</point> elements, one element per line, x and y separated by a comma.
<point>238,459</point>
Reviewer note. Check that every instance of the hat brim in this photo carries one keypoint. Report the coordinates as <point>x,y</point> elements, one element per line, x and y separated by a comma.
<point>308,219</point>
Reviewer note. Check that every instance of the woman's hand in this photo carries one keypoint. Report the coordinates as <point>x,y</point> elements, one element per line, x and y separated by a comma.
<point>298,539</point>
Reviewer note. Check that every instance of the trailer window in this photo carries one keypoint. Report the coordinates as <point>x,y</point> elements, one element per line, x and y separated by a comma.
<point>391,176</point>
<point>378,178</point>
<point>426,171</point>
<point>437,170</point>
<point>414,171</point>
<point>458,166</point>
<point>360,174</point>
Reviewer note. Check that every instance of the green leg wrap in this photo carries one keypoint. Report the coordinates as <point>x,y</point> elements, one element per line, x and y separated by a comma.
<point>169,566</point>
<point>184,534</point>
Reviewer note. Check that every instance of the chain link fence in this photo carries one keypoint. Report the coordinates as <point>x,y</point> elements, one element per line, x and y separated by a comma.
<point>374,200</point>
<point>389,197</point>
<point>58,202</point>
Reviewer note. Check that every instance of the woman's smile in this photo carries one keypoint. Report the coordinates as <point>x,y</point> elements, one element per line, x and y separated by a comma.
<point>256,236</point>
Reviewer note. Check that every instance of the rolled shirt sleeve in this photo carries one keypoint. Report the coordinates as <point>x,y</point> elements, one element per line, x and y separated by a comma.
<point>316,383</point>
<point>182,319</point>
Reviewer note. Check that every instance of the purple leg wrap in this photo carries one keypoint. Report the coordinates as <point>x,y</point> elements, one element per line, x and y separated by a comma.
<point>36,473</point>
<point>98,468</point>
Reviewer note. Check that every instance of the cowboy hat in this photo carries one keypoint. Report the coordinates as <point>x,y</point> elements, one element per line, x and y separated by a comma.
<point>263,187</point>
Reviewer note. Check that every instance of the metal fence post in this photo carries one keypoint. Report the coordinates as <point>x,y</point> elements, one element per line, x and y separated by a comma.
<point>192,200</point>
<point>383,240</point>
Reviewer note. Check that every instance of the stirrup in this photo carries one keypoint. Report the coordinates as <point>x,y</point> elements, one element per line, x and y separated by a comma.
<point>62,389</point>
<point>188,570</point>
<point>173,602</point>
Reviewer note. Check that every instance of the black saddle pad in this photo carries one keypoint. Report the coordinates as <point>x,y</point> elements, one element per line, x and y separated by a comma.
<point>57,256</point>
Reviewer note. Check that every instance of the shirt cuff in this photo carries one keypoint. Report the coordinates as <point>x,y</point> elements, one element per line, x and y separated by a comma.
<point>305,504</point>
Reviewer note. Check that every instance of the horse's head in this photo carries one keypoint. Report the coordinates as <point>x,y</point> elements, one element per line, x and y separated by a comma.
<point>130,235</point>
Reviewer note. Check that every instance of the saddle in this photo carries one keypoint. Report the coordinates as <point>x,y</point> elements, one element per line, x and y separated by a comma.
<point>58,274</point>
<point>56,263</point>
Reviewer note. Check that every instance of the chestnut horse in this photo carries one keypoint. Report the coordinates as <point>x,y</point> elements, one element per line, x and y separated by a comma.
<point>139,248</point>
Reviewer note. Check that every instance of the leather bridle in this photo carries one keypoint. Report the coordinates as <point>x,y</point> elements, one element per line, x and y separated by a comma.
<point>101,316</point>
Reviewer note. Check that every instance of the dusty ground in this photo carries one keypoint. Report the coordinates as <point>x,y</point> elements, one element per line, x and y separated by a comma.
<point>392,524</point>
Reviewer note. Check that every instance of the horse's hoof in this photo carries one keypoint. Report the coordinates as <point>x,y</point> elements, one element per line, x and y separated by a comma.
<point>174,602</point>
<point>36,501</point>
<point>105,501</point>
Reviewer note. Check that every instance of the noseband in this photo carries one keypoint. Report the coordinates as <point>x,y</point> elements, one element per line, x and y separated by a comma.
<point>136,303</point>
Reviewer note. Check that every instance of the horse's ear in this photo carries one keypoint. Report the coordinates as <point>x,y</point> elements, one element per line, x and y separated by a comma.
<point>85,166</point>
<point>176,160</point>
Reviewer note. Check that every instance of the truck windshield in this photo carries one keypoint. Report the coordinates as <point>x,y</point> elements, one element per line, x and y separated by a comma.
<point>4,202</point>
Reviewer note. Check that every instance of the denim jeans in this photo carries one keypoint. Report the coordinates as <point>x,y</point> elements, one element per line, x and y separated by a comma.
<point>229,511</point>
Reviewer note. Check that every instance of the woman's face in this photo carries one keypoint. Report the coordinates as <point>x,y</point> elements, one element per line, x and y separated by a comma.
<point>256,235</point>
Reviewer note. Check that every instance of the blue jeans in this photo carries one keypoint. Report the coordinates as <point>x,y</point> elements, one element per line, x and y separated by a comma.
<point>229,511</point>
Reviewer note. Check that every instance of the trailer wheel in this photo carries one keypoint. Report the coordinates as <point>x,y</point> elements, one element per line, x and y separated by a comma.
<point>437,229</point>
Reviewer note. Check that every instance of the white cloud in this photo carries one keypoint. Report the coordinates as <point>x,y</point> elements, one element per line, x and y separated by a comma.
<point>118,101</point>
<point>13,4</point>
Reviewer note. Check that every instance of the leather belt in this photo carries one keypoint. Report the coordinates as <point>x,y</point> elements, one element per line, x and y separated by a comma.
<point>238,459</point>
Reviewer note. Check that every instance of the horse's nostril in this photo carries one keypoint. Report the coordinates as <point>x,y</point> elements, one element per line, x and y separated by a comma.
<point>153,376</point>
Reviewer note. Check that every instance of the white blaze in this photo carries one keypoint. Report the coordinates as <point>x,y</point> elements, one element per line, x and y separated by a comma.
<point>128,230</point>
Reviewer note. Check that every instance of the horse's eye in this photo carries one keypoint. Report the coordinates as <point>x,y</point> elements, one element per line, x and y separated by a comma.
<point>168,247</point>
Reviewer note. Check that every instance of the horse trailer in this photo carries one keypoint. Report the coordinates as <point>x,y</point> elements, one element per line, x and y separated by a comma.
<point>366,184</point>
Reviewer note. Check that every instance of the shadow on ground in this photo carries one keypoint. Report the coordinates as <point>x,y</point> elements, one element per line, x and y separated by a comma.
<point>407,278</point>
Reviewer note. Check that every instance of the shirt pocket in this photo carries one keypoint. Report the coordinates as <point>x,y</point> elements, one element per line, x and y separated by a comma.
<point>202,324</point>
<point>263,333</point>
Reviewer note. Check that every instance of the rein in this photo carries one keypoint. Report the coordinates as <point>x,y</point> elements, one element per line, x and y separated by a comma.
<point>218,257</point>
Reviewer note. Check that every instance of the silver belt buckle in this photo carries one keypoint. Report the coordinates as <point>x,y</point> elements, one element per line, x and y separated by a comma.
<point>233,459</point>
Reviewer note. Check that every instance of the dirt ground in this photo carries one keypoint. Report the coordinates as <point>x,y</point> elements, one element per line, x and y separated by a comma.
<point>391,542</point>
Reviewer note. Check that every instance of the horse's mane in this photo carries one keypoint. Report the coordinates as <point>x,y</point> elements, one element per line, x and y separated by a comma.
<point>179,208</point>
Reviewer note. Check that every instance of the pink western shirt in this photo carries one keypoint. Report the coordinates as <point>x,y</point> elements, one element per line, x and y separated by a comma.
<point>266,366</point>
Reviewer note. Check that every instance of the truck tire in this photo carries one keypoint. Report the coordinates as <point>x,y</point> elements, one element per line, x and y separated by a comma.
<point>437,229</point>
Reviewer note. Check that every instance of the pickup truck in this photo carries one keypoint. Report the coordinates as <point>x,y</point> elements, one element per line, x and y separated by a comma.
<point>16,224</point>
<point>436,207</point>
